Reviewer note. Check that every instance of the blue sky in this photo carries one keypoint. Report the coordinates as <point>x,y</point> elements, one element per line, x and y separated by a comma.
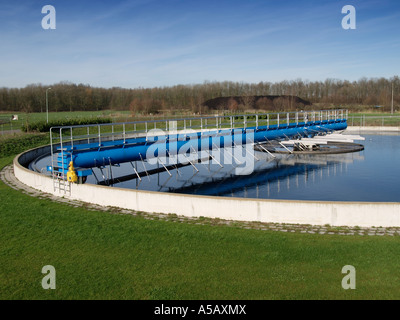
<point>152,43</point>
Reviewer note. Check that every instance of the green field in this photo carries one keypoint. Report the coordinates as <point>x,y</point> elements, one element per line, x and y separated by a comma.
<point>23,118</point>
<point>99,255</point>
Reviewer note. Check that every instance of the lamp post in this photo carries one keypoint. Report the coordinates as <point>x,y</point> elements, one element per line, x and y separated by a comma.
<point>392,99</point>
<point>47,105</point>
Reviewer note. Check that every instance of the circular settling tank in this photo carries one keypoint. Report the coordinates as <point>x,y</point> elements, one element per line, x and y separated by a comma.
<point>335,172</point>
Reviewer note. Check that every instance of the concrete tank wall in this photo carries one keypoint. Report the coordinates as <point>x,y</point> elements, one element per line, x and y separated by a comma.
<point>360,214</point>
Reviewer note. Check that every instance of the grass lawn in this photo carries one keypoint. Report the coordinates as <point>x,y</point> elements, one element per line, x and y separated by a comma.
<point>41,116</point>
<point>126,116</point>
<point>99,255</point>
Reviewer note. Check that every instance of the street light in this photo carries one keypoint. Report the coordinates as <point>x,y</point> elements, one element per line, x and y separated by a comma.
<point>392,99</point>
<point>47,105</point>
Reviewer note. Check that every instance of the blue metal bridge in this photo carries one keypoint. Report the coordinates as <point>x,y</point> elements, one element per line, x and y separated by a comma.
<point>100,145</point>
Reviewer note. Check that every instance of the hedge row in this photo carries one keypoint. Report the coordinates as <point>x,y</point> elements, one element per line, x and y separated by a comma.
<point>20,143</point>
<point>43,126</point>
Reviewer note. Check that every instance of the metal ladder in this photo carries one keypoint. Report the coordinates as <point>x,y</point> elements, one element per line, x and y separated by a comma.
<point>61,184</point>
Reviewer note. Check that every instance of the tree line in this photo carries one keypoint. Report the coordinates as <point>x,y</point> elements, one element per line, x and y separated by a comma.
<point>66,96</point>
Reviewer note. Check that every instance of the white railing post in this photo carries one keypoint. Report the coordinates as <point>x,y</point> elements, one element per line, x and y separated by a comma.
<point>99,134</point>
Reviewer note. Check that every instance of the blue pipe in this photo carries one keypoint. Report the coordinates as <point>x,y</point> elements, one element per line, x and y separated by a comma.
<point>119,151</point>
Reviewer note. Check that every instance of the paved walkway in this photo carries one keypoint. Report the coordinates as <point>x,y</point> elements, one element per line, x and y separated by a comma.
<point>7,176</point>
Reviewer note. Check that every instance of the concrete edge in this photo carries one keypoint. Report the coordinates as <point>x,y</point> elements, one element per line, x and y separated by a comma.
<point>366,129</point>
<point>349,214</point>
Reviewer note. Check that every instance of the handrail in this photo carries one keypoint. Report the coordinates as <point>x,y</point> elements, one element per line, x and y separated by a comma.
<point>201,124</point>
<point>97,138</point>
<point>137,128</point>
<point>328,112</point>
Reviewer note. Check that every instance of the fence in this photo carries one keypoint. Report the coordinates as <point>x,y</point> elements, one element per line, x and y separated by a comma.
<point>111,131</point>
<point>379,121</point>
<point>6,125</point>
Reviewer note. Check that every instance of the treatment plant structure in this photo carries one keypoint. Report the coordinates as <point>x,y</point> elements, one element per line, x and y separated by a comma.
<point>75,151</point>
<point>101,145</point>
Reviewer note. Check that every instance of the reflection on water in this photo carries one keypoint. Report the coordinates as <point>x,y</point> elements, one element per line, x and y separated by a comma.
<point>282,175</point>
<point>369,175</point>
